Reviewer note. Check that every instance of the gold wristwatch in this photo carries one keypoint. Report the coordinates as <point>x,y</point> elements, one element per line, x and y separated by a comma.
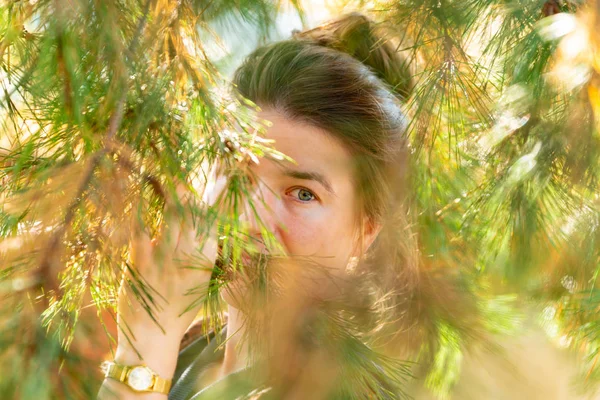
<point>138,377</point>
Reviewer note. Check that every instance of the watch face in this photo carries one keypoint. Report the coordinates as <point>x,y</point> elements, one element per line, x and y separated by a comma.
<point>140,378</point>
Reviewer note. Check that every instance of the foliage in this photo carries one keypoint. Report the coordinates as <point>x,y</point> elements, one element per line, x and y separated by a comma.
<point>504,123</point>
<point>107,104</point>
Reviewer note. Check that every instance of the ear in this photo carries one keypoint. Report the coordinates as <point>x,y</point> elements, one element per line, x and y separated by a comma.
<point>370,231</point>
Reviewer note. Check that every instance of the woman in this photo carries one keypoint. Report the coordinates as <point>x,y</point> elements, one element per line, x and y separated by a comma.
<point>333,96</point>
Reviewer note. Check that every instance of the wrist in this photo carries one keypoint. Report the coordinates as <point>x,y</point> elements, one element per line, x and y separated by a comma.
<point>139,378</point>
<point>158,351</point>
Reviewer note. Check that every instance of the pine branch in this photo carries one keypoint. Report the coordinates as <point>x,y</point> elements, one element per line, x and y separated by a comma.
<point>50,257</point>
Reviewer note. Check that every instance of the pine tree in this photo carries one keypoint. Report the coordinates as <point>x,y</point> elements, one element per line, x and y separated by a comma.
<point>106,105</point>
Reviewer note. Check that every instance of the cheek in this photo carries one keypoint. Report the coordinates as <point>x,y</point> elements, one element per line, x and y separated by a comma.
<point>320,232</point>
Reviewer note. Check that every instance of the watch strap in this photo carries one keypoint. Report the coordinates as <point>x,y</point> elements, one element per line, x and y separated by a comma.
<point>121,373</point>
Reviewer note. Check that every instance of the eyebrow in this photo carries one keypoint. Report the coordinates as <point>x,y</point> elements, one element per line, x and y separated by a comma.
<point>310,176</point>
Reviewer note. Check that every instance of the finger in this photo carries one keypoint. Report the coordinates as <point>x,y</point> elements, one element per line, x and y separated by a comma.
<point>140,245</point>
<point>190,217</point>
<point>214,188</point>
<point>173,221</point>
<point>181,237</point>
<point>189,249</point>
<point>212,197</point>
<point>210,190</point>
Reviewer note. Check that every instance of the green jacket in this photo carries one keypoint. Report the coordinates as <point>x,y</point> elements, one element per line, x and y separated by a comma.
<point>200,351</point>
<point>194,357</point>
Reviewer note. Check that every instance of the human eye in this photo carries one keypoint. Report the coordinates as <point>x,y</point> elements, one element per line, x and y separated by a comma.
<point>302,195</point>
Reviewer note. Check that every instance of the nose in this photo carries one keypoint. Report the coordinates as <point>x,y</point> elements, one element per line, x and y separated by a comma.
<point>260,216</point>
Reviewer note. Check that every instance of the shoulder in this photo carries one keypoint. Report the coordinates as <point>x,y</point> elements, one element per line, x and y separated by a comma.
<point>198,349</point>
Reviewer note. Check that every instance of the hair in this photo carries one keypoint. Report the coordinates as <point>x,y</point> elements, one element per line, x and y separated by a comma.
<point>344,78</point>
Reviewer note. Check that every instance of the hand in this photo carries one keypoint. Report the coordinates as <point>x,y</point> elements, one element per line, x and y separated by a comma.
<point>170,266</point>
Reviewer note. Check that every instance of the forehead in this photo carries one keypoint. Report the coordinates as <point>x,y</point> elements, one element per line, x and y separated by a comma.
<point>310,147</point>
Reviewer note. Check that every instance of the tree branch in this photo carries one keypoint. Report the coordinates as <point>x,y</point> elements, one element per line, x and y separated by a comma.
<point>50,254</point>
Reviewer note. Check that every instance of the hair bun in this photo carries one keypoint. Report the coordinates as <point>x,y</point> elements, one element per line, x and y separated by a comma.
<point>357,35</point>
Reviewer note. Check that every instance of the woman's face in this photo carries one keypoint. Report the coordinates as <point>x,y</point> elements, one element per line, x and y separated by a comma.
<point>310,206</point>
